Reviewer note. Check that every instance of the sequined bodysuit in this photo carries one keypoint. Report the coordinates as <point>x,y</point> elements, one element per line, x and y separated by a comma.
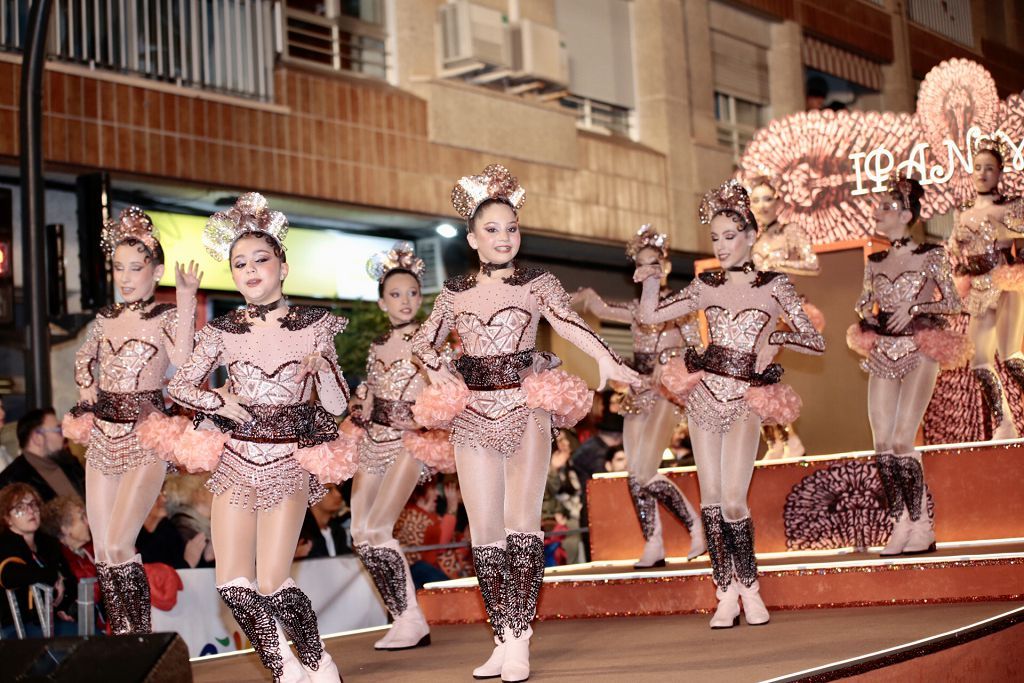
<point>124,359</point>
<point>264,372</point>
<point>653,346</point>
<point>742,319</point>
<point>393,381</point>
<point>919,276</point>
<point>785,249</point>
<point>497,324</point>
<point>982,243</point>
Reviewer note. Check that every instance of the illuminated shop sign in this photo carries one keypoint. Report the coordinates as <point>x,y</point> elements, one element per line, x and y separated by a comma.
<point>324,264</point>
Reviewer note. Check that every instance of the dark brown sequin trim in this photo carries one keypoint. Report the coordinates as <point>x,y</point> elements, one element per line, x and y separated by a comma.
<point>741,546</point>
<point>157,311</point>
<point>525,576</point>
<point>389,413</point>
<point>991,393</point>
<point>305,424</point>
<point>132,590</point>
<point>387,568</point>
<point>124,408</point>
<point>718,545</point>
<point>668,495</point>
<point>293,608</point>
<point>889,474</point>
<point>489,373</point>
<point>912,484</point>
<point>722,360</point>
<point>764,277</point>
<point>255,618</point>
<point>644,363</point>
<point>490,562</point>
<point>460,283</point>
<point>645,507</point>
<point>524,275</point>
<point>713,278</point>
<point>300,317</point>
<point>113,604</point>
<point>232,323</point>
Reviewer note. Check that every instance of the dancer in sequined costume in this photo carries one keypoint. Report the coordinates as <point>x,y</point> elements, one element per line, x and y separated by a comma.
<point>650,418</point>
<point>982,247</point>
<point>275,354</point>
<point>120,373</point>
<point>908,292</point>
<point>502,447</point>
<point>388,472</point>
<point>783,249</point>
<point>743,306</point>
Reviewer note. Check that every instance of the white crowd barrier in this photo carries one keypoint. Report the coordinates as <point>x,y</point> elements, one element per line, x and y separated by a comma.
<point>341,592</point>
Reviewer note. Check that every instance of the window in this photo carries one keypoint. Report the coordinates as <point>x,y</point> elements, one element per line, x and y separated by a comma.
<point>738,120</point>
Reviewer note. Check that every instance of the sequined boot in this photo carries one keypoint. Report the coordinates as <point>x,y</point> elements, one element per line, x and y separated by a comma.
<point>132,588</point>
<point>889,474</point>
<point>113,603</point>
<point>740,535</point>
<point>728,611</point>
<point>921,537</point>
<point>390,572</point>
<point>669,495</point>
<point>1015,368</point>
<point>254,616</point>
<point>992,395</point>
<point>646,507</point>
<point>773,438</point>
<point>525,577</point>
<point>490,562</point>
<point>295,612</point>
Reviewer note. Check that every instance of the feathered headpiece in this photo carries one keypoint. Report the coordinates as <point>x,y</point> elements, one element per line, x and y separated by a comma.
<point>903,189</point>
<point>400,255</point>
<point>991,143</point>
<point>132,224</point>
<point>646,237</point>
<point>729,197</point>
<point>496,182</point>
<point>249,215</point>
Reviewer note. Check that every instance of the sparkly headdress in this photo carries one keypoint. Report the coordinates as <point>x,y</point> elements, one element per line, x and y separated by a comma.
<point>646,237</point>
<point>902,189</point>
<point>729,197</point>
<point>496,182</point>
<point>132,224</point>
<point>400,255</point>
<point>249,215</point>
<point>991,143</point>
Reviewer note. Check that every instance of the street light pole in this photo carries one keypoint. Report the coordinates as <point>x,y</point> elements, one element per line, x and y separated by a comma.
<point>33,208</point>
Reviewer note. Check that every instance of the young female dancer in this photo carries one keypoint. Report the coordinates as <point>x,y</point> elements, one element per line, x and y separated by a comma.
<point>650,419</point>
<point>784,249</point>
<point>982,244</point>
<point>275,354</point>
<point>908,292</point>
<point>728,389</point>
<point>388,471</point>
<point>507,399</point>
<point>120,372</point>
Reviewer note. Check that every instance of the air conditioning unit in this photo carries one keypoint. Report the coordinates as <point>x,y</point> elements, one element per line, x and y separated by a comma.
<point>473,34</point>
<point>537,52</point>
<point>430,250</point>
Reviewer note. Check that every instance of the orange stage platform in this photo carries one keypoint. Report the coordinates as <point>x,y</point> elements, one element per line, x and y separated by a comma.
<point>831,502</point>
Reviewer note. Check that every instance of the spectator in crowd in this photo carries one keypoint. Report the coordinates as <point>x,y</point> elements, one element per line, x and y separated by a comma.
<point>616,461</point>
<point>29,556</point>
<point>159,540</point>
<point>188,504</point>
<point>587,427</point>
<point>562,499</point>
<point>681,447</point>
<point>817,93</point>
<point>5,456</point>
<point>64,518</point>
<point>44,463</point>
<point>421,524</point>
<point>590,458</point>
<point>325,532</point>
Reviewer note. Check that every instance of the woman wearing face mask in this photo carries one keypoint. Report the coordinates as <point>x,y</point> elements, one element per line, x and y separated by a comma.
<point>502,427</point>
<point>388,471</point>
<point>120,372</point>
<point>276,441</point>
<point>904,335</point>
<point>982,245</point>
<point>784,249</point>
<point>730,388</point>
<point>650,419</point>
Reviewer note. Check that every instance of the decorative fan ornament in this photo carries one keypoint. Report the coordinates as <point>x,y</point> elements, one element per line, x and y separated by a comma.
<point>808,156</point>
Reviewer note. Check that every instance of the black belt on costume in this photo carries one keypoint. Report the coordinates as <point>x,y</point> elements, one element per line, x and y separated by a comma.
<point>720,360</point>
<point>125,407</point>
<point>387,412</point>
<point>492,373</point>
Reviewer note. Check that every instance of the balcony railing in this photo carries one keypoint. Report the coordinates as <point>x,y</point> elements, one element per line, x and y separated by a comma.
<point>949,18</point>
<point>599,116</point>
<point>222,45</point>
<point>340,43</point>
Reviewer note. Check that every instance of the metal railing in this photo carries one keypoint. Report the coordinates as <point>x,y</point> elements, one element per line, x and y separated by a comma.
<point>42,601</point>
<point>340,43</point>
<point>600,116</point>
<point>222,45</point>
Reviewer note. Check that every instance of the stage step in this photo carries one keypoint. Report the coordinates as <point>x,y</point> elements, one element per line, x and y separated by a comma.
<point>957,572</point>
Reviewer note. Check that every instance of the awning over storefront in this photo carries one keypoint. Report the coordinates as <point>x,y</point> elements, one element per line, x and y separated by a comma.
<point>838,62</point>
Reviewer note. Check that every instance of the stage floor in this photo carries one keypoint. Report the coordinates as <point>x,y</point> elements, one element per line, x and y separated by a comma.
<point>642,648</point>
